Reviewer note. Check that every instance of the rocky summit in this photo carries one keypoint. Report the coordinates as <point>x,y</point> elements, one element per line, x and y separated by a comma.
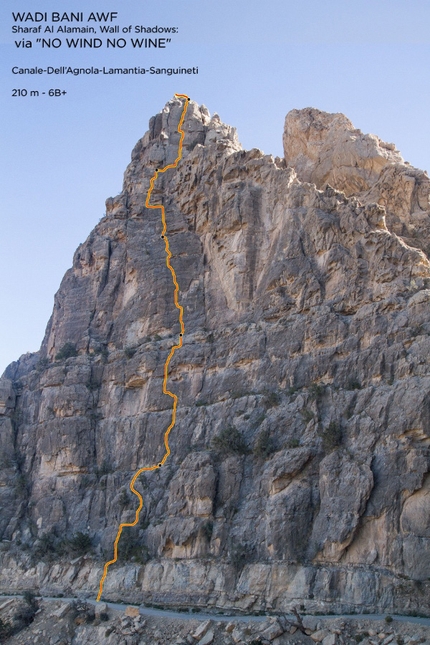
<point>298,474</point>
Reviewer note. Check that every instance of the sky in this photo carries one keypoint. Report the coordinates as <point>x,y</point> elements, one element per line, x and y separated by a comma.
<point>62,156</point>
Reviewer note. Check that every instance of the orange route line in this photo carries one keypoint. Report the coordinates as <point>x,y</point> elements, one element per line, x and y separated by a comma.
<point>137,474</point>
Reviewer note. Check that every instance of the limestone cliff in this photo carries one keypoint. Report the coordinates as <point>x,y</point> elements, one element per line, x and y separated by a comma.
<point>300,461</point>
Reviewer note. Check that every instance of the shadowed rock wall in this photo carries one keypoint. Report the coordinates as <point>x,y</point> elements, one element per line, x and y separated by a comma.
<point>299,467</point>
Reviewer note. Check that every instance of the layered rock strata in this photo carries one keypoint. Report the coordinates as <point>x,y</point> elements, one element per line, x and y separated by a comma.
<point>300,461</point>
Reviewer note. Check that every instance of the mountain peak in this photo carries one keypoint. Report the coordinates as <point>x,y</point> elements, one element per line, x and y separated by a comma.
<point>301,376</point>
<point>325,148</point>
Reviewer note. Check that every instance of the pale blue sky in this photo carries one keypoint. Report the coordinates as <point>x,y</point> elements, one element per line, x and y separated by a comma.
<point>62,157</point>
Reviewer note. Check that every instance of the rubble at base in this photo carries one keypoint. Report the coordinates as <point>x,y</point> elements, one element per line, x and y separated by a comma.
<point>59,622</point>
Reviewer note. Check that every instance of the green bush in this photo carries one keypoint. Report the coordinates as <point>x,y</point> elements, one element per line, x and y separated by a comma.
<point>353,384</point>
<point>5,630</point>
<point>103,351</point>
<point>293,443</point>
<point>207,530</point>
<point>21,484</point>
<point>388,619</point>
<point>272,399</point>
<point>48,547</point>
<point>67,351</point>
<point>236,394</point>
<point>316,391</point>
<point>331,436</point>
<point>30,598</point>
<point>80,543</point>
<point>23,617</point>
<point>230,441</point>
<point>130,352</point>
<point>307,415</point>
<point>124,499</point>
<point>42,364</point>
<point>264,445</point>
<point>131,547</point>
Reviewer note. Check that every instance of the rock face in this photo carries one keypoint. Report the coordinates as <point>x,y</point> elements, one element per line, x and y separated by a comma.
<point>300,461</point>
<point>326,148</point>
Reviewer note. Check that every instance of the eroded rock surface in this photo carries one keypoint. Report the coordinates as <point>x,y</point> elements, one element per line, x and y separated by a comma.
<point>66,622</point>
<point>300,454</point>
<point>325,149</point>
